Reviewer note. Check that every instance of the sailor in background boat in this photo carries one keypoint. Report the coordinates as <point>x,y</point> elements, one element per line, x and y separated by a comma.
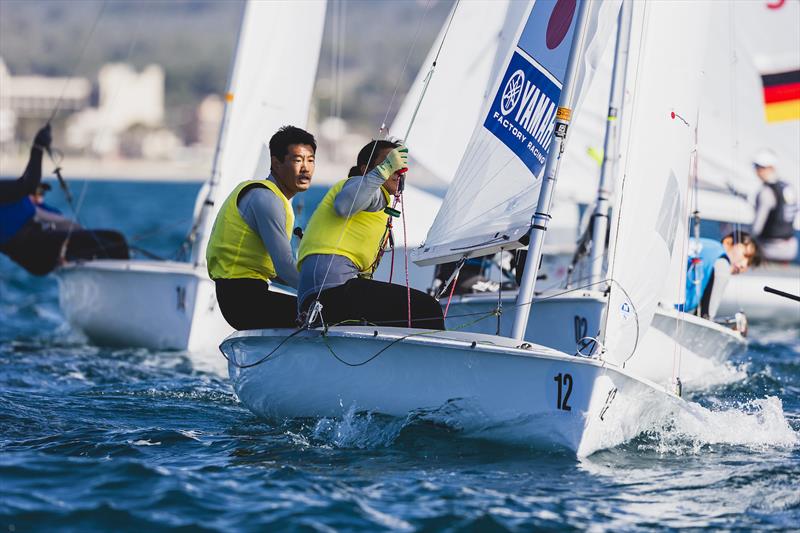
<point>776,208</point>
<point>39,240</point>
<point>343,243</point>
<point>250,243</point>
<point>709,267</point>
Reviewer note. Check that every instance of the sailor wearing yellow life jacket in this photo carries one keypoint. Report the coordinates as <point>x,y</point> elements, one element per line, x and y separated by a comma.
<point>343,241</point>
<point>250,243</point>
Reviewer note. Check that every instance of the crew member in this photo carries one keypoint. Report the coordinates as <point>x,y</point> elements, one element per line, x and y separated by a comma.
<point>32,239</point>
<point>342,244</point>
<point>250,243</point>
<point>711,264</point>
<point>776,208</point>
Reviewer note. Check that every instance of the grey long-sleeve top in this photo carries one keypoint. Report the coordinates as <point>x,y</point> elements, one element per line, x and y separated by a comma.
<point>263,211</point>
<point>320,272</point>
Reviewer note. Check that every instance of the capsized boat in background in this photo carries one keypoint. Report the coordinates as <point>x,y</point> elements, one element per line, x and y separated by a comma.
<point>490,385</point>
<point>170,304</point>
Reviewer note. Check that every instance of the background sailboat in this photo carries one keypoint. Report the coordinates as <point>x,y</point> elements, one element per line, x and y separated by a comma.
<point>172,305</point>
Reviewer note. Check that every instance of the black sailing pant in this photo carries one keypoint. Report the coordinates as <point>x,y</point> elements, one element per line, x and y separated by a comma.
<point>379,303</point>
<point>38,250</point>
<point>249,304</point>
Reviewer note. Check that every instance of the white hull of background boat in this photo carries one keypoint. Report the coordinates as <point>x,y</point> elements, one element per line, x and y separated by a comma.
<point>483,385</point>
<point>159,305</point>
<point>699,335</point>
<point>560,321</point>
<point>746,293</point>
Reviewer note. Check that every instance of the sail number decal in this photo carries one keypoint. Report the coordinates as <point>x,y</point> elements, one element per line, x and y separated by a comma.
<point>564,390</point>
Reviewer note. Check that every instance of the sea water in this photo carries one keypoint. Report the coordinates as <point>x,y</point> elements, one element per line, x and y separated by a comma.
<point>99,439</point>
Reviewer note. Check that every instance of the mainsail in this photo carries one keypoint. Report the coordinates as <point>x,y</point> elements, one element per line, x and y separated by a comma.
<point>664,77</point>
<point>494,194</point>
<point>270,86</point>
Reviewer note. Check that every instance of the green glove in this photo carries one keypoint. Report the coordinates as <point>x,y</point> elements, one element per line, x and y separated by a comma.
<point>395,161</point>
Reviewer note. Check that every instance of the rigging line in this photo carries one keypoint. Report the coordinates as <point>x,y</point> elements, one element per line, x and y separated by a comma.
<point>405,65</point>
<point>392,343</point>
<point>405,256</point>
<point>374,147</point>
<point>734,122</point>
<point>111,101</point>
<point>160,231</point>
<point>78,62</point>
<point>340,56</point>
<point>429,76</point>
<point>236,363</point>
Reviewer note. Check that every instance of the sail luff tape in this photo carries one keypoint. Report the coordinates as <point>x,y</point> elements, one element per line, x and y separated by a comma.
<point>564,114</point>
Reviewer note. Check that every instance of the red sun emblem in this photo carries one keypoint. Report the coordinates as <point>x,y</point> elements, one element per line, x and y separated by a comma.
<point>559,23</point>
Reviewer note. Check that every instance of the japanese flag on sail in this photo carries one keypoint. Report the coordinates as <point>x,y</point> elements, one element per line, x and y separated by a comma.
<point>524,109</point>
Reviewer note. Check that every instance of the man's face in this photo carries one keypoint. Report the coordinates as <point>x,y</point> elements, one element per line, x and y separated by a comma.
<point>764,173</point>
<point>739,255</point>
<point>294,173</point>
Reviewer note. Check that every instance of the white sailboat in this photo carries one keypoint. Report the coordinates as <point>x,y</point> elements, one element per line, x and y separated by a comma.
<point>565,319</point>
<point>172,305</point>
<point>503,387</point>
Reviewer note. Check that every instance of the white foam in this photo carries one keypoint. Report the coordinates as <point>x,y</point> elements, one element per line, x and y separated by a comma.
<point>756,424</point>
<point>357,430</point>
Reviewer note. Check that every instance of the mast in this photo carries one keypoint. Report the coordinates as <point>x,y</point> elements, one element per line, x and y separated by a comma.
<point>612,143</point>
<point>541,217</point>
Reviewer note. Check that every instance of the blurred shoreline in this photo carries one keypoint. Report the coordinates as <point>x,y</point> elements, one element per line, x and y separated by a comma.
<point>147,170</point>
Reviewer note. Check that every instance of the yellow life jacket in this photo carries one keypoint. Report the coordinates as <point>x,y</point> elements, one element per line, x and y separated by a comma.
<point>234,250</point>
<point>360,234</point>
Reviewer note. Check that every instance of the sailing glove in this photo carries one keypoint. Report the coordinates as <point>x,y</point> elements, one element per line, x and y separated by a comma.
<point>396,160</point>
<point>43,138</point>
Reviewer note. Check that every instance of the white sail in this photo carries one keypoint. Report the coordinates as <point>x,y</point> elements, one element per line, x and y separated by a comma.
<point>474,47</point>
<point>270,87</point>
<point>495,191</point>
<point>664,77</point>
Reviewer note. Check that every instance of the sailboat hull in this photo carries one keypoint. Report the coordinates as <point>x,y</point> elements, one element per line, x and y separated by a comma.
<point>159,305</point>
<point>483,385</point>
<point>745,292</point>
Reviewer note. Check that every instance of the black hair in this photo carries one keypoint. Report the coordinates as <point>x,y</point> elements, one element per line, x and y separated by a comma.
<point>287,136</point>
<point>368,156</point>
<point>742,237</point>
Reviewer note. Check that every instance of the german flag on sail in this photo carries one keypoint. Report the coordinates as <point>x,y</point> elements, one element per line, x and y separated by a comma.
<point>782,96</point>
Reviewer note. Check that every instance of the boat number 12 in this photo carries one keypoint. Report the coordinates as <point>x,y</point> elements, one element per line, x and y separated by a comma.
<point>564,390</point>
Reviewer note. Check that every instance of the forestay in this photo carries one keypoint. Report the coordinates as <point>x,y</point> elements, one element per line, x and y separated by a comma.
<point>270,86</point>
<point>473,50</point>
<point>493,196</point>
<point>667,49</point>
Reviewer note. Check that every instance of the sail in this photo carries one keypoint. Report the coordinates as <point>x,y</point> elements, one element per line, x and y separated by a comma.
<point>270,86</point>
<point>752,46</point>
<point>474,47</point>
<point>658,139</point>
<point>493,196</point>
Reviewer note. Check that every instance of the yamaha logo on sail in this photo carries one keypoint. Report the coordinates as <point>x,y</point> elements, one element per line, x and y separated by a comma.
<point>524,111</point>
